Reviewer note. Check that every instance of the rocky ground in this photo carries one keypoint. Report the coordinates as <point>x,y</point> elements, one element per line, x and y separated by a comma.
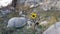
<point>51,16</point>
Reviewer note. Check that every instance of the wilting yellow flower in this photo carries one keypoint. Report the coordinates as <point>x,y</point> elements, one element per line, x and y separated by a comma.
<point>33,15</point>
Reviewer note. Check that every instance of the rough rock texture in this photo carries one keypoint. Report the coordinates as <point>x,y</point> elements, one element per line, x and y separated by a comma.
<point>17,22</point>
<point>54,29</point>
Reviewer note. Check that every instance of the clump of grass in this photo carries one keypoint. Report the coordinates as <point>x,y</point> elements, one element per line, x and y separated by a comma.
<point>52,20</point>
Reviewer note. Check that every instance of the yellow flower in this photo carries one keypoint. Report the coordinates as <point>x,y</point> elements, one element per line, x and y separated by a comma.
<point>33,15</point>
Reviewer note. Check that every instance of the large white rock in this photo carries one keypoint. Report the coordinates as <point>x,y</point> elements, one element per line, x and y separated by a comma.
<point>4,3</point>
<point>17,22</point>
<point>54,29</point>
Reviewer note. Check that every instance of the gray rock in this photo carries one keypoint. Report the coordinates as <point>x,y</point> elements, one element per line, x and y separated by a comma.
<point>5,11</point>
<point>22,13</point>
<point>50,4</point>
<point>21,2</point>
<point>54,29</point>
<point>32,2</point>
<point>17,22</point>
